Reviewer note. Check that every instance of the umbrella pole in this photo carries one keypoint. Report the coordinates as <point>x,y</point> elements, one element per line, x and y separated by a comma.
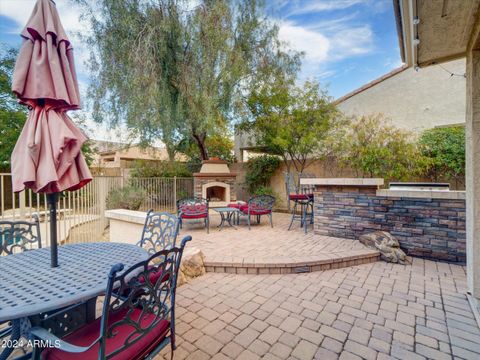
<point>52,205</point>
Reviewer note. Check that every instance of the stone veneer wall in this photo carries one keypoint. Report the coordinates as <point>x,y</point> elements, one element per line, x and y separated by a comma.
<point>202,180</point>
<point>425,227</point>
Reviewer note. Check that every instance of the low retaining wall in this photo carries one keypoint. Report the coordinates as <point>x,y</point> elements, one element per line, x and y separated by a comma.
<point>429,224</point>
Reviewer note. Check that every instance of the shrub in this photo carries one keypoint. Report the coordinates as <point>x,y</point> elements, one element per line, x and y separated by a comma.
<point>127,197</point>
<point>259,171</point>
<point>374,148</point>
<point>147,169</point>
<point>445,148</point>
<point>265,190</point>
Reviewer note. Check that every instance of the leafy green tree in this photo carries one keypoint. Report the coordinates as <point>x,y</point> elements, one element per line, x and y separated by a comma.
<point>291,121</point>
<point>259,171</point>
<point>12,114</point>
<point>173,72</point>
<point>217,145</point>
<point>374,148</point>
<point>445,148</point>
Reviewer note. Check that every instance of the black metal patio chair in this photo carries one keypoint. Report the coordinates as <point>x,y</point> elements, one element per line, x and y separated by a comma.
<point>134,325</point>
<point>159,232</point>
<point>193,208</point>
<point>258,206</point>
<point>18,236</point>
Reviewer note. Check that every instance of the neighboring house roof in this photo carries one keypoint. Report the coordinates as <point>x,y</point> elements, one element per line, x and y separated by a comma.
<point>136,152</point>
<point>371,84</point>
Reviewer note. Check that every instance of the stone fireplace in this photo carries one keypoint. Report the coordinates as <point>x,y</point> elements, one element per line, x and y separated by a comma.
<point>215,182</point>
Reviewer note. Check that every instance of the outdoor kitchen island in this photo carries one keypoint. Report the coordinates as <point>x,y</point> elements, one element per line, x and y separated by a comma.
<point>427,223</point>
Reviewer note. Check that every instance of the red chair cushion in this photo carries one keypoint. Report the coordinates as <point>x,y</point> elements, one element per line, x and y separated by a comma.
<point>254,210</point>
<point>257,212</point>
<point>198,211</point>
<point>85,335</point>
<point>300,196</point>
<point>154,276</point>
<point>194,216</point>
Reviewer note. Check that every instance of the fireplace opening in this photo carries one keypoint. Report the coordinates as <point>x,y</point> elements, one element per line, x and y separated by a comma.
<point>216,193</point>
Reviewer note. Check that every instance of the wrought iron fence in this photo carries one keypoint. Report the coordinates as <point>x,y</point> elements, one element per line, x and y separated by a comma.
<point>81,214</point>
<point>162,193</point>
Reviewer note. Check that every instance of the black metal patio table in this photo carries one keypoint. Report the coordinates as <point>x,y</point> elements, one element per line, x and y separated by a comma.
<point>227,214</point>
<point>30,288</point>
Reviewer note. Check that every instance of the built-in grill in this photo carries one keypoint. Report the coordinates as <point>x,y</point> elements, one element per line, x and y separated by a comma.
<point>419,186</point>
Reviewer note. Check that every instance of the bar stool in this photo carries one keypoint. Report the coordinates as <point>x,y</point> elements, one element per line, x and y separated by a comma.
<point>305,202</point>
<point>302,198</point>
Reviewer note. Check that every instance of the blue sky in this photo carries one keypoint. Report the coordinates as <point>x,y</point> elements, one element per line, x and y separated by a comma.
<point>347,43</point>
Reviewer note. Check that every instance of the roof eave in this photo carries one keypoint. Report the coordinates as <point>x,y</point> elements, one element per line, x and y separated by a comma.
<point>404,16</point>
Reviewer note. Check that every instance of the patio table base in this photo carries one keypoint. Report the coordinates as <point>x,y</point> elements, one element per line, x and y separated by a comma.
<point>227,214</point>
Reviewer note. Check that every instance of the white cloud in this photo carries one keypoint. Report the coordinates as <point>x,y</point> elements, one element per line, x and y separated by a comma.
<point>323,48</point>
<point>313,43</point>
<point>20,10</point>
<point>306,7</point>
<point>352,41</point>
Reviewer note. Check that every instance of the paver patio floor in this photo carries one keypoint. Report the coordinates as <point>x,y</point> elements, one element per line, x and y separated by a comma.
<point>371,311</point>
<point>264,245</point>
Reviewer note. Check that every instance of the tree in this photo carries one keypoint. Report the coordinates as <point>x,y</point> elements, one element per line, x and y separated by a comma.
<point>217,145</point>
<point>12,114</point>
<point>374,148</point>
<point>260,170</point>
<point>291,121</point>
<point>445,149</point>
<point>172,72</point>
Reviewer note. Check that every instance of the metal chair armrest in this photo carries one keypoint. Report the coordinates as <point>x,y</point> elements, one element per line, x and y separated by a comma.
<point>42,334</point>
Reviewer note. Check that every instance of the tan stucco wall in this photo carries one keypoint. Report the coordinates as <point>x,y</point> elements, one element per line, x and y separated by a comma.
<point>415,100</point>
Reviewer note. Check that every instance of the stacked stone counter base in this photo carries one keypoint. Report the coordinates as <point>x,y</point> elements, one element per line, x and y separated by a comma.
<point>428,224</point>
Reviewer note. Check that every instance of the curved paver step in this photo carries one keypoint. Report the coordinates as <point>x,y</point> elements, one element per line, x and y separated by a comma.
<point>266,250</point>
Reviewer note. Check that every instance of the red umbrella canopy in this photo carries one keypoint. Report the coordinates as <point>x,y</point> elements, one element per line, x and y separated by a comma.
<point>47,157</point>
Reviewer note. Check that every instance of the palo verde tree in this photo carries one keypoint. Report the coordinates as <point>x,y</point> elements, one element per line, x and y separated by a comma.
<point>172,71</point>
<point>292,121</point>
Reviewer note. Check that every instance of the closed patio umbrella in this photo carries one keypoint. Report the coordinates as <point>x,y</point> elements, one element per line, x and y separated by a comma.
<point>47,157</point>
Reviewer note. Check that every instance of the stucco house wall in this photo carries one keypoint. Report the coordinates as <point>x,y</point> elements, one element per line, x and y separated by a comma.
<point>413,100</point>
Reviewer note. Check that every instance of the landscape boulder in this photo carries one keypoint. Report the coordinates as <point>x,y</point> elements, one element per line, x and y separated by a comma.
<point>386,244</point>
<point>192,266</point>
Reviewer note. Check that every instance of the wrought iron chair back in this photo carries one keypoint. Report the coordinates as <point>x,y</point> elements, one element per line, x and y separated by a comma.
<point>19,236</point>
<point>258,206</point>
<point>292,183</point>
<point>132,300</point>
<point>306,189</point>
<point>192,206</point>
<point>261,203</point>
<point>156,300</point>
<point>159,232</point>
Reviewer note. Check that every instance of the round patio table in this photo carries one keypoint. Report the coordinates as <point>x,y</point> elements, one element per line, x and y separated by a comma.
<point>29,286</point>
<point>227,214</point>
